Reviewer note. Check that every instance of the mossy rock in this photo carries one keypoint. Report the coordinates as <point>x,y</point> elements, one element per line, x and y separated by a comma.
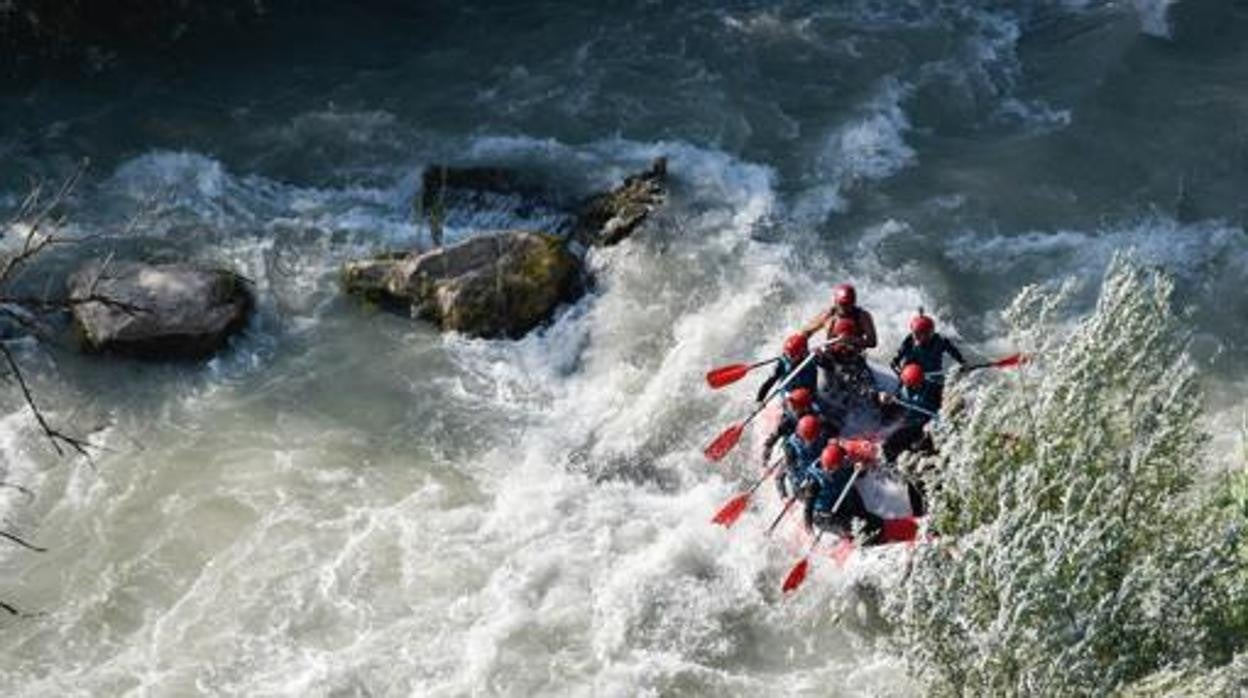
<point>498,285</point>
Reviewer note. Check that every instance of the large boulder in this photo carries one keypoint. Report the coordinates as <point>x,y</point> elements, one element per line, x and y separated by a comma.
<point>167,311</point>
<point>501,284</point>
<point>497,285</point>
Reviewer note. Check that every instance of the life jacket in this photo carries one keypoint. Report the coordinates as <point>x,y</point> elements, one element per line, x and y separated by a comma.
<point>807,378</point>
<point>856,314</point>
<point>831,484</point>
<point>803,453</point>
<point>923,397</point>
<point>930,356</point>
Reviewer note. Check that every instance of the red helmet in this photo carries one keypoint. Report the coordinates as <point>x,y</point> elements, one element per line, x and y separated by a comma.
<point>801,400</point>
<point>808,428</point>
<point>844,295</point>
<point>912,375</point>
<point>832,457</point>
<point>922,325</point>
<point>844,327</point>
<point>862,450</point>
<point>795,346</point>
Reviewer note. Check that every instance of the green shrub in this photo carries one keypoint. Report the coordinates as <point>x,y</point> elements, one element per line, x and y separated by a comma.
<point>1083,545</point>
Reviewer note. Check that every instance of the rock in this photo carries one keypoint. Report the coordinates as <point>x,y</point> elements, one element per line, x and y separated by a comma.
<point>167,311</point>
<point>483,197</point>
<point>498,285</point>
<point>608,218</point>
<point>501,284</point>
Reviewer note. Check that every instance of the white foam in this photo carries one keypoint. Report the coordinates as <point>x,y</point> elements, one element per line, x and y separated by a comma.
<point>1155,16</point>
<point>1193,251</point>
<point>871,146</point>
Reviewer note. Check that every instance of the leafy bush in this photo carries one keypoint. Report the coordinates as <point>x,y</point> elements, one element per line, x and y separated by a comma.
<point>1079,549</point>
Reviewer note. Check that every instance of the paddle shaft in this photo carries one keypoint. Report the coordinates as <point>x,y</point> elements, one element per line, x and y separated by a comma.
<point>915,408</point>
<point>766,473</point>
<point>776,390</point>
<point>780,516</point>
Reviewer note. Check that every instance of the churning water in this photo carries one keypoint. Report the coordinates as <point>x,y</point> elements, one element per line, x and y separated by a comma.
<point>350,504</point>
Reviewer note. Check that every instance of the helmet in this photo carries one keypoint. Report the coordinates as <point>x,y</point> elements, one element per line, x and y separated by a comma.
<point>795,346</point>
<point>922,325</point>
<point>844,295</point>
<point>832,457</point>
<point>808,428</point>
<point>912,375</point>
<point>801,400</point>
<point>844,327</point>
<point>862,450</point>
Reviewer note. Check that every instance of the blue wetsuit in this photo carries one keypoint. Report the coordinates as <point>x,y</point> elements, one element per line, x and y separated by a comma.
<point>823,488</point>
<point>808,377</point>
<point>909,435</point>
<point>797,455</point>
<point>930,356</point>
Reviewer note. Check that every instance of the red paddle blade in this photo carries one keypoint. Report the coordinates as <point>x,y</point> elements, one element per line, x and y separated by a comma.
<point>899,530</point>
<point>1010,361</point>
<point>724,442</point>
<point>730,512</point>
<point>724,375</point>
<point>797,575</point>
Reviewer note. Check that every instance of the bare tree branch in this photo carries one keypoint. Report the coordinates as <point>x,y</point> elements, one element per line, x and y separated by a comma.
<point>34,216</point>
<point>24,544</point>
<point>55,436</point>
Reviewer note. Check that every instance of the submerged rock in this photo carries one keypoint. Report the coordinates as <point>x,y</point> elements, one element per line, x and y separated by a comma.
<point>502,284</point>
<point>168,311</point>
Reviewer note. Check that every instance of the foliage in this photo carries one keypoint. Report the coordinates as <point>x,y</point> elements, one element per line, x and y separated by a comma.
<point>1078,552</point>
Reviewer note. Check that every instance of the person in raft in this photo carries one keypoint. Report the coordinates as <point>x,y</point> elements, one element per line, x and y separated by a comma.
<point>825,480</point>
<point>794,353</point>
<point>908,411</point>
<point>799,403</point>
<point>852,329</point>
<point>927,348</point>
<point>801,448</point>
<point>907,414</point>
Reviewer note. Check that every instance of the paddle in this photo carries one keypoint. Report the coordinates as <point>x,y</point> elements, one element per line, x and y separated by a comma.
<point>915,408</point>
<point>726,375</point>
<point>730,512</point>
<point>729,437</point>
<point>1008,362</point>
<point>797,575</point>
<point>780,516</point>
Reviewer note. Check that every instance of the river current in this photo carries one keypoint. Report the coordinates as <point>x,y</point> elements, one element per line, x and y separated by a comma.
<point>348,503</point>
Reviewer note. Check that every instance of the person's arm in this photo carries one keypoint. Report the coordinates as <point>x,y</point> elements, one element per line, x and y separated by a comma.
<point>775,436</point>
<point>952,351</point>
<point>904,349</point>
<point>815,323</point>
<point>790,457</point>
<point>765,388</point>
<point>869,340</point>
<point>808,489</point>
